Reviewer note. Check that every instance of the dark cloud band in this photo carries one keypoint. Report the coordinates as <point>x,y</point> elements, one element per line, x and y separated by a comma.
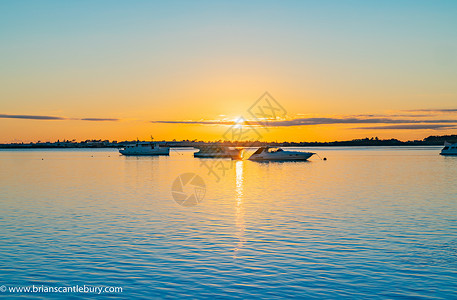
<point>52,118</point>
<point>411,127</point>
<point>320,121</point>
<point>30,117</point>
<point>445,110</point>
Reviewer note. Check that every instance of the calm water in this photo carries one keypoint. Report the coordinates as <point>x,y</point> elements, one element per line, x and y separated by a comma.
<point>368,222</point>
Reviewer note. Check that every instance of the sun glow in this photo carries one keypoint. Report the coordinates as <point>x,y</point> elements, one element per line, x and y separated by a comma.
<point>238,122</point>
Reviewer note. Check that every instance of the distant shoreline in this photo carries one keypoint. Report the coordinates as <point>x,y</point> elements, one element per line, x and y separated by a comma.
<point>366,142</point>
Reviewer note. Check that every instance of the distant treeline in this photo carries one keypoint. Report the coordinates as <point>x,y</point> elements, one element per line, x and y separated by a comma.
<point>374,141</point>
<point>441,139</point>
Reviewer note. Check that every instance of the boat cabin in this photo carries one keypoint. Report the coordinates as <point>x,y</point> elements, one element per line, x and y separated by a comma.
<point>268,150</point>
<point>143,145</point>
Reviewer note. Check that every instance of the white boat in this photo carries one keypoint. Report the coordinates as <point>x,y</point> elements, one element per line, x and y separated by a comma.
<point>219,152</point>
<point>145,148</point>
<point>449,149</point>
<point>269,153</point>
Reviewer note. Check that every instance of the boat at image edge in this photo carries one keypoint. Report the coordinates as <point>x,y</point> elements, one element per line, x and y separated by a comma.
<point>449,149</point>
<point>219,152</point>
<point>145,148</point>
<point>269,153</point>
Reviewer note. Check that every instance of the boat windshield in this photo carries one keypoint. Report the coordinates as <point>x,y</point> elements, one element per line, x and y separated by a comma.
<point>260,150</point>
<point>273,150</point>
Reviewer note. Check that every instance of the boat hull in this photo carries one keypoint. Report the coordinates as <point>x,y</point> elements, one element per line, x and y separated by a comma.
<point>295,156</point>
<point>448,154</point>
<point>219,153</point>
<point>201,155</point>
<point>145,153</point>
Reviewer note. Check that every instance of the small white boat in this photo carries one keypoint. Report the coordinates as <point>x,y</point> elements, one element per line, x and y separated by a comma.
<point>449,149</point>
<point>145,148</point>
<point>219,152</point>
<point>269,153</point>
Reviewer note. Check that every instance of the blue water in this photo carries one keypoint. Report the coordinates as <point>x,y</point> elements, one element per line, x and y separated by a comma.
<point>367,223</point>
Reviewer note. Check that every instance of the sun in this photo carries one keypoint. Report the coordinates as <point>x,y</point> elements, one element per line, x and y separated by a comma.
<point>239,122</point>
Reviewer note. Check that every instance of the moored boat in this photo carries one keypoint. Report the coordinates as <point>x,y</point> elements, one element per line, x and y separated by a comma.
<point>449,149</point>
<point>219,152</point>
<point>145,148</point>
<point>278,154</point>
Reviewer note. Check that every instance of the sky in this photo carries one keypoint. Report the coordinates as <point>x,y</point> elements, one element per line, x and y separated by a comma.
<point>122,70</point>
